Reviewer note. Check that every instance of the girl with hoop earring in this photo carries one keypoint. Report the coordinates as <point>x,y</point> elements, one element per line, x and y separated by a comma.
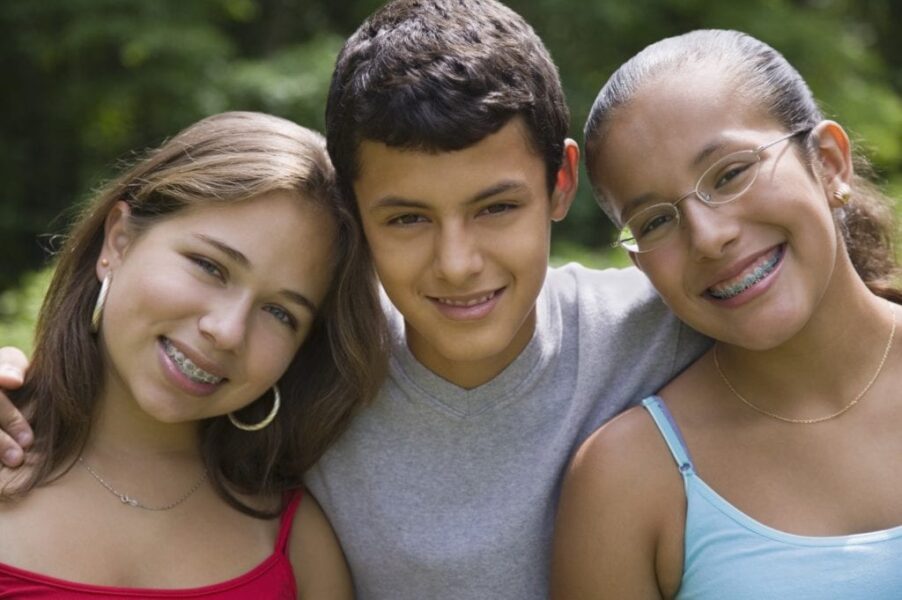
<point>194,355</point>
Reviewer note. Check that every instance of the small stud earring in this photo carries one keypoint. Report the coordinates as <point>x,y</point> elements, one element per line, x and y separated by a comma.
<point>842,194</point>
<point>104,262</point>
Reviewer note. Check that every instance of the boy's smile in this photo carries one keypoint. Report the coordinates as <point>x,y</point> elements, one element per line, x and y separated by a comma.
<point>460,241</point>
<point>472,306</point>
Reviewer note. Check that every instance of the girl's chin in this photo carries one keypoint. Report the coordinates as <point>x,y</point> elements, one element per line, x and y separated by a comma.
<point>754,334</point>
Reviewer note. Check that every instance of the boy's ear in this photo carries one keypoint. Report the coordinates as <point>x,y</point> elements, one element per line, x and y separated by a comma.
<point>567,179</point>
<point>835,155</point>
<point>117,236</point>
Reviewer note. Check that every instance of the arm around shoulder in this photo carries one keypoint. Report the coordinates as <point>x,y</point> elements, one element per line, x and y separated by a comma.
<point>319,565</point>
<point>609,520</point>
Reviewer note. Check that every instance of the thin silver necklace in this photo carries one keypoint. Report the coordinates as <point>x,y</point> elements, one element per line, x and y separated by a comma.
<point>134,502</point>
<point>755,407</point>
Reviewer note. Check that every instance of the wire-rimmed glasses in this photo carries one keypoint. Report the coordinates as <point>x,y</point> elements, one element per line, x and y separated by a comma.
<point>721,183</point>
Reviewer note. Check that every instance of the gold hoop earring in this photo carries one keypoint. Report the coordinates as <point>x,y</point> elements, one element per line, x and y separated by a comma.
<point>277,401</point>
<point>101,301</point>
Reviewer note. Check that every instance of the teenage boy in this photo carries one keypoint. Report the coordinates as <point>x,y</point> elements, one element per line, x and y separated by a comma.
<point>447,125</point>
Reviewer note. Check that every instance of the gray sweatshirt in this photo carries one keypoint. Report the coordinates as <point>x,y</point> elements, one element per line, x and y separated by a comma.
<point>440,492</point>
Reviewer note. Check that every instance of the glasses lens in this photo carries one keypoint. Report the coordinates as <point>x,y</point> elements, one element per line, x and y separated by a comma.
<point>729,177</point>
<point>649,228</point>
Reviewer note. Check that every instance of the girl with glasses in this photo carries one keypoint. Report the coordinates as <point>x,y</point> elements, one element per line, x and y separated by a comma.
<point>764,470</point>
<point>211,325</point>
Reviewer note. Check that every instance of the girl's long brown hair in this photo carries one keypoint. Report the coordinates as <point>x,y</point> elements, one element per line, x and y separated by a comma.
<point>228,157</point>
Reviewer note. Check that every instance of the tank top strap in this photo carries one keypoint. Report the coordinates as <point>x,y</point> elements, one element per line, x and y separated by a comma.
<point>670,432</point>
<point>287,519</point>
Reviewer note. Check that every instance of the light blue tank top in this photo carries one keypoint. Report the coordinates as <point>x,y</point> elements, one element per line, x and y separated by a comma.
<point>727,554</point>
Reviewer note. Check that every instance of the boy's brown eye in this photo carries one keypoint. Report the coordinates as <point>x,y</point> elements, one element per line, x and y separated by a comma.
<point>409,219</point>
<point>494,209</point>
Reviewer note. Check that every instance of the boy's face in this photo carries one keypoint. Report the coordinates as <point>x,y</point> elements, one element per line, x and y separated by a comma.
<point>460,242</point>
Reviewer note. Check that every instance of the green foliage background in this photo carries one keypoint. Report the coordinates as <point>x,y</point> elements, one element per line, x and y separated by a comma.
<point>89,82</point>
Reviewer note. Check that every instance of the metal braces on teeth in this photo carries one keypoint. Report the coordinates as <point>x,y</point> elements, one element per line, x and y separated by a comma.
<point>748,281</point>
<point>187,367</point>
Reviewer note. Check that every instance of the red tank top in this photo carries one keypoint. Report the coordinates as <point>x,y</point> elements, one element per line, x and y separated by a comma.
<point>272,578</point>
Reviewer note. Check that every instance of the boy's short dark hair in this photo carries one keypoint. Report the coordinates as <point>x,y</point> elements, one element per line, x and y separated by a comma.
<point>441,75</point>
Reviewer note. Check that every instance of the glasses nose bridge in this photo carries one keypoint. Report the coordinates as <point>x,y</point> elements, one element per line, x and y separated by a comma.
<point>700,195</point>
<point>703,197</point>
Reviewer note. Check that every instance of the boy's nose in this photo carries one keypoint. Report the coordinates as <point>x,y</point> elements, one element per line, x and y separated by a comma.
<point>457,254</point>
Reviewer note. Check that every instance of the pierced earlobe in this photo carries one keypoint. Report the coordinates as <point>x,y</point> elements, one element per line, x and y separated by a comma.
<point>842,194</point>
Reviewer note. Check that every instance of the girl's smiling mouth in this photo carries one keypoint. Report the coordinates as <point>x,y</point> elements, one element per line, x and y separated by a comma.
<point>186,366</point>
<point>749,277</point>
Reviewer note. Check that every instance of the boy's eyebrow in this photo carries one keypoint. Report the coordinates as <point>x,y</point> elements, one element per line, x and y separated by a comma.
<point>396,202</point>
<point>236,255</point>
<point>501,187</point>
<point>493,190</point>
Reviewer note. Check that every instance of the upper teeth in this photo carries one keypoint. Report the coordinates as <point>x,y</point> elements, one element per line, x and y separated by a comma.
<point>188,368</point>
<point>759,272</point>
<point>472,302</point>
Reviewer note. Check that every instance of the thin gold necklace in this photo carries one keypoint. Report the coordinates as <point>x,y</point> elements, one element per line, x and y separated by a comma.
<point>889,345</point>
<point>134,502</point>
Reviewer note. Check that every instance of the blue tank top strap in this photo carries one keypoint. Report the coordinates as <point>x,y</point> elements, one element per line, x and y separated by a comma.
<point>670,432</point>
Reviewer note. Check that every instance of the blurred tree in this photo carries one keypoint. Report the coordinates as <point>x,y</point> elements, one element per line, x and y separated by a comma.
<point>19,309</point>
<point>88,81</point>
<point>847,50</point>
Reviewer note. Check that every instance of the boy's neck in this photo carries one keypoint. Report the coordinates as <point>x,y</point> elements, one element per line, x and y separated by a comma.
<point>471,374</point>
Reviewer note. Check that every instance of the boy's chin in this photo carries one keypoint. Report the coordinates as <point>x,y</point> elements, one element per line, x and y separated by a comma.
<point>474,356</point>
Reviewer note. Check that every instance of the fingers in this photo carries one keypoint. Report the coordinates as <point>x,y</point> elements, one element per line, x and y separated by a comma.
<point>16,433</point>
<point>13,364</point>
<point>11,453</point>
